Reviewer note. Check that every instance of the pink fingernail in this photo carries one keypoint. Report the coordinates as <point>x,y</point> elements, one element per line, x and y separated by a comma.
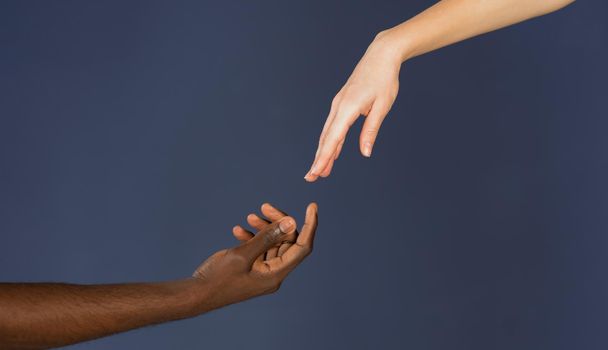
<point>286,225</point>
<point>367,149</point>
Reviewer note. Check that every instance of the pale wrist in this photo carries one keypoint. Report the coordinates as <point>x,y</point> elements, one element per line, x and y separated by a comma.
<point>395,43</point>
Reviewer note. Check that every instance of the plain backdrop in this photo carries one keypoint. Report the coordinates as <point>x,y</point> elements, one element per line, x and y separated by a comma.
<point>134,135</point>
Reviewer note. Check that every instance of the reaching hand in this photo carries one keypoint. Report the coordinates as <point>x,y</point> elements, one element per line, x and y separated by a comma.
<point>370,91</point>
<point>262,261</point>
<point>29,311</point>
<point>373,85</point>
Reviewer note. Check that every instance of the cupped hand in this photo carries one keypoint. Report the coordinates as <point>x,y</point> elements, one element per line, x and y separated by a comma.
<point>248,270</point>
<point>370,91</point>
<point>259,223</point>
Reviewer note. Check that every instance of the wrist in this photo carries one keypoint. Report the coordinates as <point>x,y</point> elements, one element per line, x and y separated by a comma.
<point>395,44</point>
<point>204,295</point>
<point>191,296</point>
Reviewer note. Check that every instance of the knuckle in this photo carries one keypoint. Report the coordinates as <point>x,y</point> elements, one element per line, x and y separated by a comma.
<point>371,131</point>
<point>335,101</point>
<point>349,105</point>
<point>268,239</point>
<point>236,257</point>
<point>394,92</point>
<point>271,237</point>
<point>332,139</point>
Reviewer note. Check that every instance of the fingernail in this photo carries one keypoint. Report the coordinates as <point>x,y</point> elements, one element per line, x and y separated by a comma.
<point>367,149</point>
<point>314,170</point>
<point>286,225</point>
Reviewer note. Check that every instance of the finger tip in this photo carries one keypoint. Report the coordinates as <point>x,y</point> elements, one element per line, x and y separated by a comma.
<point>318,166</point>
<point>366,149</point>
<point>311,178</point>
<point>312,209</point>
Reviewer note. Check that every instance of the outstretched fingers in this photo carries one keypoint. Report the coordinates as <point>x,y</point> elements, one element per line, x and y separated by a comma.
<point>241,234</point>
<point>267,238</point>
<point>331,139</point>
<point>272,213</point>
<point>257,222</point>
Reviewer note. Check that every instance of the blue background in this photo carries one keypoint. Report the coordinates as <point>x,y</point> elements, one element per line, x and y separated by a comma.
<point>134,135</point>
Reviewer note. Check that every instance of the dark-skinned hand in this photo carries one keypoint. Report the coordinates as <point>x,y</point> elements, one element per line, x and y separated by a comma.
<point>43,315</point>
<point>260,264</point>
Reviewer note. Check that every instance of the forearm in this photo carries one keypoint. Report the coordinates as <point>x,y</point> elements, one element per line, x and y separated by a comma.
<point>451,21</point>
<point>36,316</point>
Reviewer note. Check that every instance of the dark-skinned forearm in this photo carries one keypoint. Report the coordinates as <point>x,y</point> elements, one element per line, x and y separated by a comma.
<point>42,315</point>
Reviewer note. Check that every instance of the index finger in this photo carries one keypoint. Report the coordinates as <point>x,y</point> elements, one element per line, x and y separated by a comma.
<point>272,213</point>
<point>335,135</point>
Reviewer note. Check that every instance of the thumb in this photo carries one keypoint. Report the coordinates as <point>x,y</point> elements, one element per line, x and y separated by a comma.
<point>268,237</point>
